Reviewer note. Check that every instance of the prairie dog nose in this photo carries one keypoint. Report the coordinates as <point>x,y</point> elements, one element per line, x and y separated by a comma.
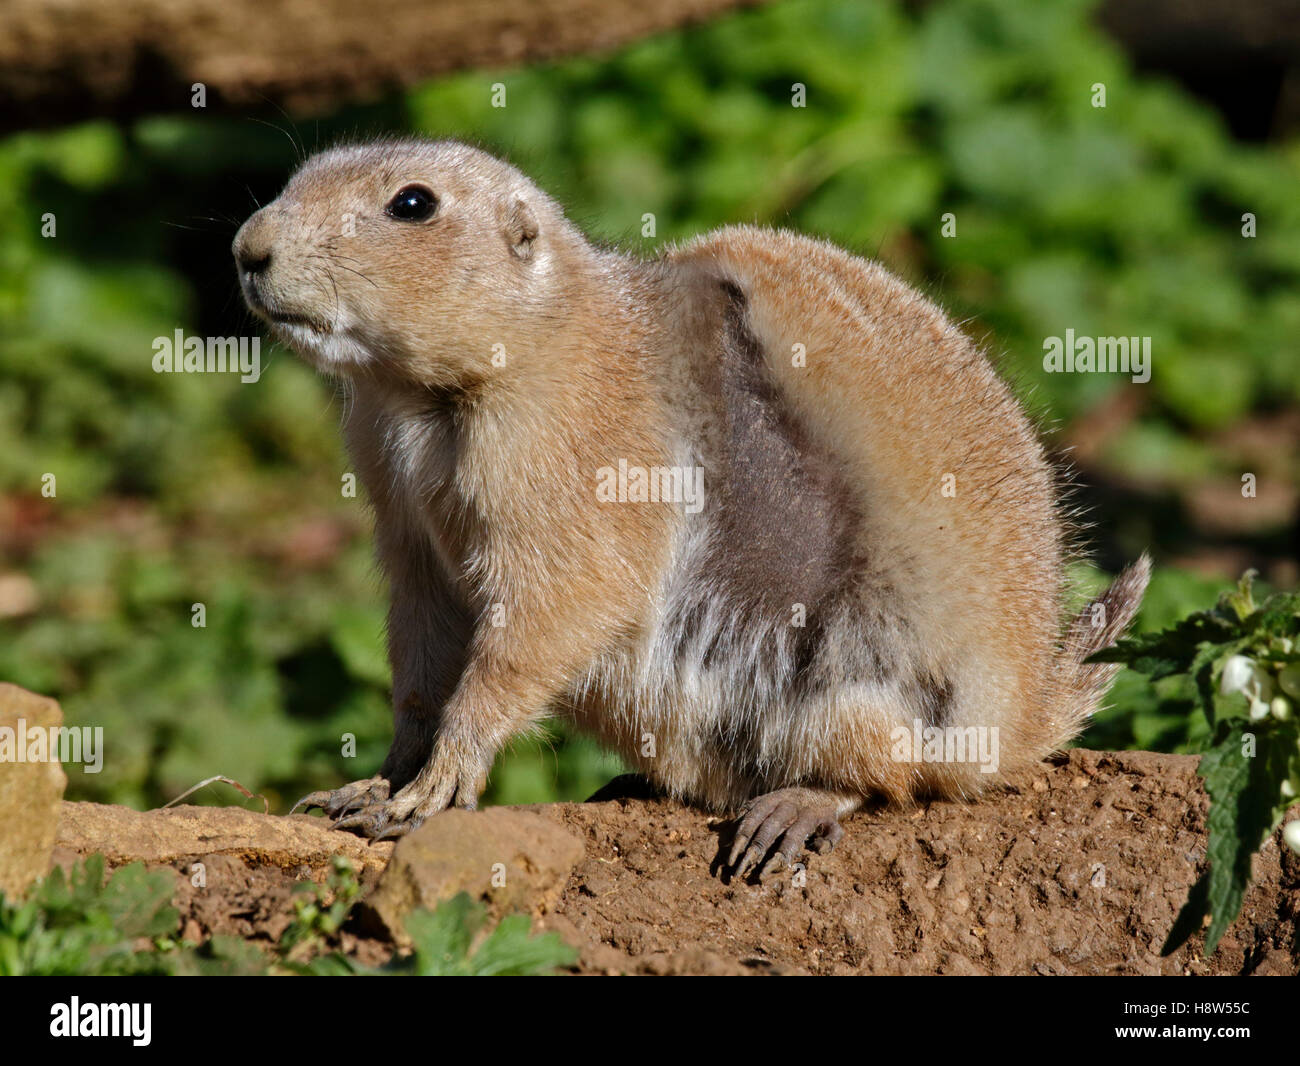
<point>252,245</point>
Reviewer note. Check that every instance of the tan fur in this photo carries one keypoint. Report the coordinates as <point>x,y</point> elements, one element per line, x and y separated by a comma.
<point>515,591</point>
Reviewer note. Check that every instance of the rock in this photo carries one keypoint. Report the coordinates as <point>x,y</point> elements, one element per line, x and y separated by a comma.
<point>514,860</point>
<point>30,792</point>
<point>122,835</point>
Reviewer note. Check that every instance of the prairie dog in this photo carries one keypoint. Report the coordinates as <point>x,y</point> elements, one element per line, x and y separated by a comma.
<point>753,513</point>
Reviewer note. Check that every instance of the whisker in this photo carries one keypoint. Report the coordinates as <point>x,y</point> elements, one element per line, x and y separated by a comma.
<point>299,150</point>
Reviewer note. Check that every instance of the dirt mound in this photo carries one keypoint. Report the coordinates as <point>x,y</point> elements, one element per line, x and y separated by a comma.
<point>1078,868</point>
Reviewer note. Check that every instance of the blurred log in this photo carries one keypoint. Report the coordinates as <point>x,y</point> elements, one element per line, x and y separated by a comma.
<point>69,60</point>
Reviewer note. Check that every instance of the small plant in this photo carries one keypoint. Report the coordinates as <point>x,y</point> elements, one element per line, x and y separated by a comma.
<point>444,946</point>
<point>443,939</point>
<point>82,924</point>
<point>320,910</point>
<point>1244,660</point>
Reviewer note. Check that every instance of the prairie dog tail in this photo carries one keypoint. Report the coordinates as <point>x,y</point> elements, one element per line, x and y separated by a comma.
<point>1098,625</point>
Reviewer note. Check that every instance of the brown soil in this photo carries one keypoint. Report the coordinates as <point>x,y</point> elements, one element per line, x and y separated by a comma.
<point>1077,869</point>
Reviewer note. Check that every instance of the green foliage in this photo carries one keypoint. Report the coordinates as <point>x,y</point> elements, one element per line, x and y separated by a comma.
<point>175,490</point>
<point>446,943</point>
<point>1243,662</point>
<point>86,925</point>
<point>443,941</point>
<point>82,924</point>
<point>319,911</point>
<point>1140,714</point>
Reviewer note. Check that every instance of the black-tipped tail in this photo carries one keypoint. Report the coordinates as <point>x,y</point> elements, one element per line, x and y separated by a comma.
<point>1097,626</point>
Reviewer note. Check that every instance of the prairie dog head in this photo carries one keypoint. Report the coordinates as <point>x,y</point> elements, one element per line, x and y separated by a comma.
<point>408,258</point>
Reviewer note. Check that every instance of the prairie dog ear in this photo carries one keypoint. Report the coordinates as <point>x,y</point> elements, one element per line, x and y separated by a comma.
<point>519,226</point>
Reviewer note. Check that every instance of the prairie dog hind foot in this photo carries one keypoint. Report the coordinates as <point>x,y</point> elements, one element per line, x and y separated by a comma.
<point>782,822</point>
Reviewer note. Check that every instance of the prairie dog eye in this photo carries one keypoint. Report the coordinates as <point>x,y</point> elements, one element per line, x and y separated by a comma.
<point>414,203</point>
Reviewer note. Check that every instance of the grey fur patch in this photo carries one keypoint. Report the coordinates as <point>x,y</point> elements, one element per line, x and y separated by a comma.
<point>781,530</point>
<point>785,518</point>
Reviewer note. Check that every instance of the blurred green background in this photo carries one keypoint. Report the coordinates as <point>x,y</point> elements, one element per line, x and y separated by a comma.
<point>176,489</point>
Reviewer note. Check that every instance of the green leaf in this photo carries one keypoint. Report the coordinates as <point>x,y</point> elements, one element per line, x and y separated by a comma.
<point>442,937</point>
<point>442,940</point>
<point>510,951</point>
<point>1244,809</point>
<point>82,924</point>
<point>139,901</point>
<point>1174,650</point>
<point>1242,601</point>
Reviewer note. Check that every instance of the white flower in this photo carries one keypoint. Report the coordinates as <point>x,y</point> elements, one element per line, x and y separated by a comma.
<point>1237,672</point>
<point>1291,834</point>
